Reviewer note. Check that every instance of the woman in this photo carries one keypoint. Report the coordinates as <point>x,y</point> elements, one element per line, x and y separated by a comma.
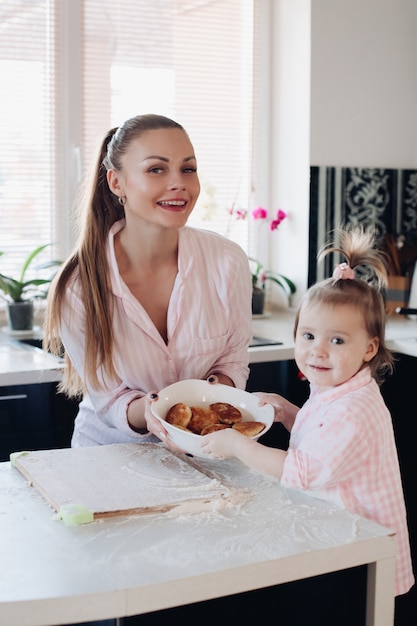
<point>145,301</point>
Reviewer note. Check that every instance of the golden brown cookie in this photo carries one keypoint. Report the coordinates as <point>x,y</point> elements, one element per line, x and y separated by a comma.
<point>212,428</point>
<point>179,415</point>
<point>227,413</point>
<point>250,429</point>
<point>201,418</point>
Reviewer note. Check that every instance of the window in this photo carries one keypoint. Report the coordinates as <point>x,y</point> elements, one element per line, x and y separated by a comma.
<point>26,126</point>
<point>72,69</point>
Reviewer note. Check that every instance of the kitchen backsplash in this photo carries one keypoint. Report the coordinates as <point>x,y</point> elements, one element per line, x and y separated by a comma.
<point>384,198</point>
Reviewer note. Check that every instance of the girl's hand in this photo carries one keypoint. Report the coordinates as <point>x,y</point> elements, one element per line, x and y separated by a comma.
<point>275,400</point>
<point>284,411</point>
<point>222,444</point>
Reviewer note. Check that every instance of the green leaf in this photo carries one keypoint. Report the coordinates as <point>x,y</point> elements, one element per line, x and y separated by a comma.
<point>10,287</point>
<point>30,258</point>
<point>285,282</point>
<point>18,290</point>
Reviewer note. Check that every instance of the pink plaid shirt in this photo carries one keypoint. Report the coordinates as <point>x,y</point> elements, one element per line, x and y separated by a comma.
<point>342,449</point>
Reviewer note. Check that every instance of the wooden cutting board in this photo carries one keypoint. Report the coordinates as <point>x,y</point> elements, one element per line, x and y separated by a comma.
<point>120,479</point>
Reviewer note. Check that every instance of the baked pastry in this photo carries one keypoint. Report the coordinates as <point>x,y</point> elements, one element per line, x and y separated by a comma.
<point>250,429</point>
<point>201,418</point>
<point>181,428</point>
<point>179,415</point>
<point>212,428</point>
<point>227,413</point>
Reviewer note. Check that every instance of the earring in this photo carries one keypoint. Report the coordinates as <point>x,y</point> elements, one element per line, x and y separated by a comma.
<point>122,200</point>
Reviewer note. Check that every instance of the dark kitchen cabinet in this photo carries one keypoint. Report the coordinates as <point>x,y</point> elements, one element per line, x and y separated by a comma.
<point>34,417</point>
<point>399,392</point>
<point>280,377</point>
<point>25,419</point>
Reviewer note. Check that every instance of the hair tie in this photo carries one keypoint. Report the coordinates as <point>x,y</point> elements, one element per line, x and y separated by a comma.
<point>343,272</point>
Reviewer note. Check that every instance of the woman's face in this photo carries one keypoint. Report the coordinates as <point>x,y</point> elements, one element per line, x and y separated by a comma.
<point>332,344</point>
<point>159,178</point>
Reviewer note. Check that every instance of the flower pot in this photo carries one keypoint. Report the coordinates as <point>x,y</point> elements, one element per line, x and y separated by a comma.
<point>20,315</point>
<point>258,301</point>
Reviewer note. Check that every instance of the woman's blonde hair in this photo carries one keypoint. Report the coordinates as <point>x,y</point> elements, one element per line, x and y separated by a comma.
<point>364,291</point>
<point>100,209</point>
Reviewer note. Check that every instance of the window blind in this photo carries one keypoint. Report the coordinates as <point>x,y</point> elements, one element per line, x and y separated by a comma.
<point>26,127</point>
<point>191,60</point>
<point>72,69</point>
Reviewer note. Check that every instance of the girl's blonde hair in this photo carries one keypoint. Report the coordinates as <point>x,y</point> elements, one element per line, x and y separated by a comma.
<point>364,291</point>
<point>100,209</point>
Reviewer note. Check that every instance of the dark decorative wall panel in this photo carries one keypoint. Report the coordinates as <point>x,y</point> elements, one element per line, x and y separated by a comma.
<point>383,198</point>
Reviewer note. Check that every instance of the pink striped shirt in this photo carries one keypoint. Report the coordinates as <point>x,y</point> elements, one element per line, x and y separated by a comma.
<point>342,449</point>
<point>209,329</point>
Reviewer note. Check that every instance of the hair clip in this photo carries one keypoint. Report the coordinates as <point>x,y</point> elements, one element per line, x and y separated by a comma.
<point>343,272</point>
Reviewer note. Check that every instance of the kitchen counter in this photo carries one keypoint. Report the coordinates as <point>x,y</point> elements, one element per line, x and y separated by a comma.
<point>22,364</point>
<point>56,574</point>
<point>401,335</point>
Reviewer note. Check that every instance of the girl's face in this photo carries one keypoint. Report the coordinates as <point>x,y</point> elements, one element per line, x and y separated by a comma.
<point>332,344</point>
<point>158,178</point>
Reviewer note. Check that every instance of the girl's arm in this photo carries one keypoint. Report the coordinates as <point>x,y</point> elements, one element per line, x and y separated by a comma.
<point>229,443</point>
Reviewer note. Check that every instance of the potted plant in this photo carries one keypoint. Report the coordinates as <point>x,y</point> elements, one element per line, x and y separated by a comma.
<point>20,293</point>
<point>259,278</point>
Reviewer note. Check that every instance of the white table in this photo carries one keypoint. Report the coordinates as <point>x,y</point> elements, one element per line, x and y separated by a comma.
<point>53,574</point>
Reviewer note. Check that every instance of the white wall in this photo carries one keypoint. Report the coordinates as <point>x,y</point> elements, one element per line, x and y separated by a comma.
<point>344,87</point>
<point>290,143</point>
<point>364,83</point>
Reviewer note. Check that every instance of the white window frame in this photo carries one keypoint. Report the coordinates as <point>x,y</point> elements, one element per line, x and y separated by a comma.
<point>68,126</point>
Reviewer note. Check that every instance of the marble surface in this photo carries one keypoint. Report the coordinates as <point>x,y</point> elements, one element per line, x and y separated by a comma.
<point>139,563</point>
<point>22,364</point>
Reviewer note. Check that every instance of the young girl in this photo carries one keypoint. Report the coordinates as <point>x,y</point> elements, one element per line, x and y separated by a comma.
<point>342,445</point>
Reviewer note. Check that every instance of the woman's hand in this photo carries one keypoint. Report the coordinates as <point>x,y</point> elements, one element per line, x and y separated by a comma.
<point>154,425</point>
<point>213,379</point>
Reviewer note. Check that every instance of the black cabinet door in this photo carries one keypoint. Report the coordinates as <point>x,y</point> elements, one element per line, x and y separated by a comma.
<point>25,418</point>
<point>399,392</point>
<point>280,377</point>
<point>34,417</point>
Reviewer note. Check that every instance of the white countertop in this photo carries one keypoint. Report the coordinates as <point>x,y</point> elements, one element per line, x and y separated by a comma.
<point>401,335</point>
<point>52,573</point>
<point>21,364</point>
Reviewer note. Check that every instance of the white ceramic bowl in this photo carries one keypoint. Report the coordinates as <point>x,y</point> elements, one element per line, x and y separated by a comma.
<point>201,393</point>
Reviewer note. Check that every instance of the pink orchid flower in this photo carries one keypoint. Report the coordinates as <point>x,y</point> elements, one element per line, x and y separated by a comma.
<point>260,213</point>
<point>241,214</point>
<point>281,215</point>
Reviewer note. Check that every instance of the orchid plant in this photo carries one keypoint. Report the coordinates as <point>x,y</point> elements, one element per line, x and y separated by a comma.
<point>262,214</point>
<point>261,275</point>
<point>258,214</point>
